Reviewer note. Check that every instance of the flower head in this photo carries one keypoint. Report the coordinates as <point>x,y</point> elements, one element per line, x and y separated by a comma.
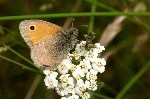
<point>98,48</point>
<point>91,55</point>
<point>50,79</point>
<point>85,65</point>
<point>61,91</point>
<point>64,66</point>
<point>51,82</point>
<point>92,75</point>
<point>65,80</point>
<point>85,95</point>
<point>77,73</point>
<point>80,88</point>
<point>99,65</point>
<point>91,85</point>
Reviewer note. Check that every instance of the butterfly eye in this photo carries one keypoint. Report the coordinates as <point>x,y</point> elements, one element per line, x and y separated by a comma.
<point>32,27</point>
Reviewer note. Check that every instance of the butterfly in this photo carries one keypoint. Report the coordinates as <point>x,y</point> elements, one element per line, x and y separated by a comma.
<point>49,43</point>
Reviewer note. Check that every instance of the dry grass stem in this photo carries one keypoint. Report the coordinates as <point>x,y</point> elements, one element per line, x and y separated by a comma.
<point>112,30</point>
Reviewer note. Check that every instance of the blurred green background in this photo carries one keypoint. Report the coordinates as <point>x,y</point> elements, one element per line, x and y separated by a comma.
<point>126,41</point>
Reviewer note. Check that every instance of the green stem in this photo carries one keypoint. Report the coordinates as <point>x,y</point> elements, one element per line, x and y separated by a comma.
<point>81,14</point>
<point>24,67</point>
<point>19,54</point>
<point>92,18</point>
<point>133,80</point>
<point>38,70</point>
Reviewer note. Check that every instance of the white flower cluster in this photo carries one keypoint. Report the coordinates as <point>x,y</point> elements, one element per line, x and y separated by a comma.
<point>77,73</point>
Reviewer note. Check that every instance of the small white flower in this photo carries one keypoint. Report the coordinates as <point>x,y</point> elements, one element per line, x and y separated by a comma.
<point>65,80</point>
<point>73,97</point>
<point>77,55</point>
<point>103,62</point>
<point>64,66</point>
<point>91,85</point>
<point>80,89</point>
<point>64,98</point>
<point>66,62</point>
<point>61,91</point>
<point>99,64</point>
<point>78,73</point>
<point>80,82</point>
<point>48,72</point>
<point>50,79</point>
<point>86,95</point>
<point>98,48</point>
<point>50,82</point>
<point>74,67</point>
<point>92,75</point>
<point>85,65</point>
<point>102,69</point>
<point>91,55</point>
<point>81,47</point>
<point>62,69</point>
<point>70,89</point>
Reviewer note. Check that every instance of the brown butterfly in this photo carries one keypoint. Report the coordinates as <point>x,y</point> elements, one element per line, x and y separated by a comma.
<point>49,43</point>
